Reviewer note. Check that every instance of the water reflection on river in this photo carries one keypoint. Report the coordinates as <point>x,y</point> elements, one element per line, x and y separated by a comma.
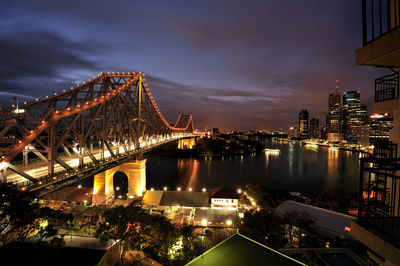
<point>308,169</point>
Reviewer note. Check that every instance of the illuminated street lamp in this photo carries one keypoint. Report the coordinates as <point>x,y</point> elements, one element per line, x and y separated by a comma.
<point>165,188</point>
<point>179,189</point>
<point>229,222</point>
<point>204,189</point>
<point>239,191</point>
<point>204,222</point>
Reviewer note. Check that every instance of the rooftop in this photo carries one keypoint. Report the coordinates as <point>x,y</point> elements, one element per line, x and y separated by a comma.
<point>223,193</point>
<point>241,250</point>
<point>326,220</point>
<point>176,198</point>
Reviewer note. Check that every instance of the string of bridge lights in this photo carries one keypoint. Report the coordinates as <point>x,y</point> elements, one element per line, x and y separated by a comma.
<point>83,107</point>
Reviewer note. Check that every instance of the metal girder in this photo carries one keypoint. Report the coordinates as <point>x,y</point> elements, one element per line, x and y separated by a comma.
<point>22,173</point>
<point>110,108</point>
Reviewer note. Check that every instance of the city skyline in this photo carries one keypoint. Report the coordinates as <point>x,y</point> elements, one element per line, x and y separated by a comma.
<point>207,59</point>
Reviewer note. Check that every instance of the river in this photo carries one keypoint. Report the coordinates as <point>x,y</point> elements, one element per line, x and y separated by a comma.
<point>310,170</point>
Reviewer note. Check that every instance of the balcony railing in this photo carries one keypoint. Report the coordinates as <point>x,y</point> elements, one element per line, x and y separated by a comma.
<point>387,88</point>
<point>379,17</point>
<point>379,203</point>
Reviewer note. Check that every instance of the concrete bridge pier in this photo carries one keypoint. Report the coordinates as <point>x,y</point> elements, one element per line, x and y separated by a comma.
<point>103,185</point>
<point>186,144</point>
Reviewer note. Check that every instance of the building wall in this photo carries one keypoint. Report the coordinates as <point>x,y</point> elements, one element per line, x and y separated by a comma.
<point>224,203</point>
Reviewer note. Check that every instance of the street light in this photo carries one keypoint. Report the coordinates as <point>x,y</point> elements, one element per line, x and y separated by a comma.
<point>229,222</point>
<point>204,222</point>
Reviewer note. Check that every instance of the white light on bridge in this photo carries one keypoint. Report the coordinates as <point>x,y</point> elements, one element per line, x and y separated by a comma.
<point>19,111</point>
<point>204,222</point>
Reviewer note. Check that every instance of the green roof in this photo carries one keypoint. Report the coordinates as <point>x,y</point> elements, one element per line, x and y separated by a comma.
<point>241,250</point>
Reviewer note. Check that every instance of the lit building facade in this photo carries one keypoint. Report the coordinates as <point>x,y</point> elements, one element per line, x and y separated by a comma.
<point>303,123</point>
<point>354,116</point>
<point>379,127</point>
<point>314,128</point>
<point>333,120</point>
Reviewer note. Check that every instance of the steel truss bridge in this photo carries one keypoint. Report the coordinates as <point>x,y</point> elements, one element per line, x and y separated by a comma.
<point>109,120</point>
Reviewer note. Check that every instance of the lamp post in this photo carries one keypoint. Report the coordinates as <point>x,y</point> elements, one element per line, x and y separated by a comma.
<point>204,223</point>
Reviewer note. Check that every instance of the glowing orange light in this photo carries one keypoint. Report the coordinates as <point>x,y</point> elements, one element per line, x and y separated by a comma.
<point>37,99</point>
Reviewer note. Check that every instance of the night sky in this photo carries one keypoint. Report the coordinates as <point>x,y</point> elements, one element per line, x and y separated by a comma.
<point>232,64</point>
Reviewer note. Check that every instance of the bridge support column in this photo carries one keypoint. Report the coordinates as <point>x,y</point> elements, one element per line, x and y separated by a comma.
<point>186,144</point>
<point>103,186</point>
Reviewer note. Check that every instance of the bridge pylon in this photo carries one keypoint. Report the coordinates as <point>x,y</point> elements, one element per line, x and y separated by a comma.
<point>103,185</point>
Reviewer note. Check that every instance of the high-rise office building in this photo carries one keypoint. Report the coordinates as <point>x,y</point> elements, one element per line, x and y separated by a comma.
<point>333,121</point>
<point>314,128</point>
<point>379,126</point>
<point>303,123</point>
<point>354,116</point>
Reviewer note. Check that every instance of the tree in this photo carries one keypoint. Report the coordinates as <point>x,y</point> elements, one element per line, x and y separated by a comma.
<point>297,224</point>
<point>264,227</point>
<point>123,224</point>
<point>17,215</point>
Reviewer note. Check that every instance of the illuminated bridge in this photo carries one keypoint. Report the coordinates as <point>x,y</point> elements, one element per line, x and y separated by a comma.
<point>86,130</point>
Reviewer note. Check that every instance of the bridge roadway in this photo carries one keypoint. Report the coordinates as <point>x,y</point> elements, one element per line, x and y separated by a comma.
<point>62,177</point>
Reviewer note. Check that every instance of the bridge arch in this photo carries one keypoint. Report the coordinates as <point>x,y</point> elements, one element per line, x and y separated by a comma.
<point>135,172</point>
<point>120,184</point>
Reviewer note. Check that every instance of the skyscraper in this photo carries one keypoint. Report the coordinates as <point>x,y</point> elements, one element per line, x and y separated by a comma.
<point>333,120</point>
<point>354,116</point>
<point>303,123</point>
<point>314,128</point>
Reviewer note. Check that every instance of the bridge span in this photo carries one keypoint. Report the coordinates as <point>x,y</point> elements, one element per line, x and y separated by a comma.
<point>107,121</point>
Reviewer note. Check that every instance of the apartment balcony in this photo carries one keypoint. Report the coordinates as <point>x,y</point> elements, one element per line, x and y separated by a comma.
<point>387,94</point>
<point>378,221</point>
<point>381,33</point>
